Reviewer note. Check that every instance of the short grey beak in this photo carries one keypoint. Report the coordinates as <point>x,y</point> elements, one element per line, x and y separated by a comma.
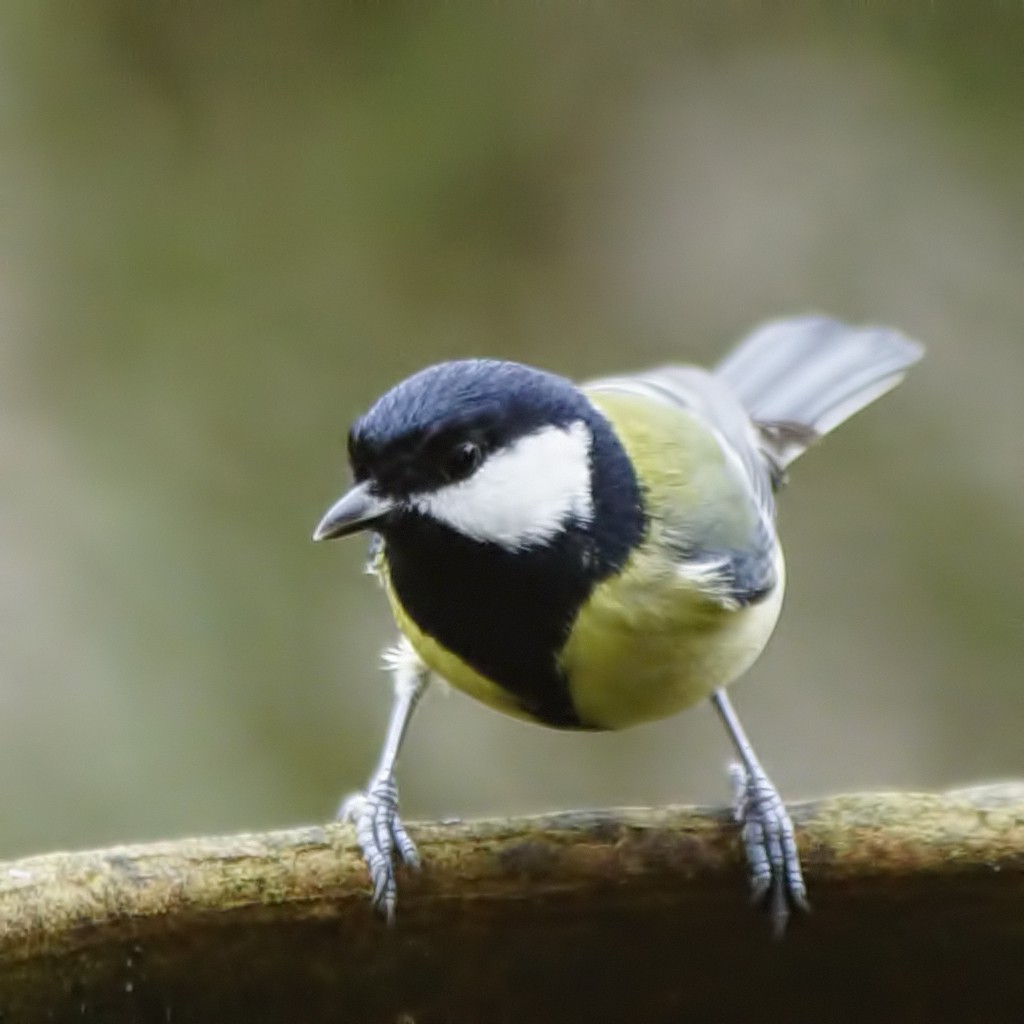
<point>357,510</point>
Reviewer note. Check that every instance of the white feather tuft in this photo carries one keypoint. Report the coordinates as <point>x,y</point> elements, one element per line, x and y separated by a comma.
<point>407,668</point>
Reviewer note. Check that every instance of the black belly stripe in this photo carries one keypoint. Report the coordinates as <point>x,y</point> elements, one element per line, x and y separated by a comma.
<point>505,614</point>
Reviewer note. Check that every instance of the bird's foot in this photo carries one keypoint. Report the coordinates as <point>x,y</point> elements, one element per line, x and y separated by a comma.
<point>382,837</point>
<point>770,843</point>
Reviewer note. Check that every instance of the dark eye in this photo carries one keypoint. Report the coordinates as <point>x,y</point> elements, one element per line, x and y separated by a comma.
<point>461,461</point>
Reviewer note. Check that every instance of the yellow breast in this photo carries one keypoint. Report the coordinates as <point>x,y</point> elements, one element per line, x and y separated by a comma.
<point>647,645</point>
<point>644,647</point>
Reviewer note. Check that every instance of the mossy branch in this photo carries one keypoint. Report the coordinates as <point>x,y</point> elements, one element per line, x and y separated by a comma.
<point>633,915</point>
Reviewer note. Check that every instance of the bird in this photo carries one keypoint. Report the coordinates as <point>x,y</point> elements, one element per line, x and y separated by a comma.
<point>595,556</point>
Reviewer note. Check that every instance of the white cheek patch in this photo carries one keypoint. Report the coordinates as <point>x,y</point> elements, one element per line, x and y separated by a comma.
<point>522,496</point>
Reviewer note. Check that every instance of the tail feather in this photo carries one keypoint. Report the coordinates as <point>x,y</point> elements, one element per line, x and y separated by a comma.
<point>813,373</point>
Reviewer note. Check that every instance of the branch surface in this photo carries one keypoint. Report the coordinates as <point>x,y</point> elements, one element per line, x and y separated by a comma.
<point>632,915</point>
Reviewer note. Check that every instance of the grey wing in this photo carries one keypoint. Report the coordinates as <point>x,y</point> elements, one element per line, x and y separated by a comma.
<point>733,564</point>
<point>735,575</point>
<point>786,384</point>
<point>715,404</point>
<point>783,386</point>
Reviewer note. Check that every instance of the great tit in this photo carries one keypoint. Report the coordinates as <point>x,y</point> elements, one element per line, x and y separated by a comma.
<point>596,556</point>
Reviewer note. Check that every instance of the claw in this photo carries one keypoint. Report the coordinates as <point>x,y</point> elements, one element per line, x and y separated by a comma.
<point>406,847</point>
<point>380,835</point>
<point>770,844</point>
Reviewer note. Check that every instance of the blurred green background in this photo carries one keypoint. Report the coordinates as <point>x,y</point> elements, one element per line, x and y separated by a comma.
<point>227,227</point>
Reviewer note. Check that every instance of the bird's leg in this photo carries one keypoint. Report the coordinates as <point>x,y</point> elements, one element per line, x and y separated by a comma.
<point>767,829</point>
<point>374,812</point>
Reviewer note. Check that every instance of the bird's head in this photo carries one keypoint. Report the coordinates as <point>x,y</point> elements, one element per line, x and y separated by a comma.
<point>499,452</point>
